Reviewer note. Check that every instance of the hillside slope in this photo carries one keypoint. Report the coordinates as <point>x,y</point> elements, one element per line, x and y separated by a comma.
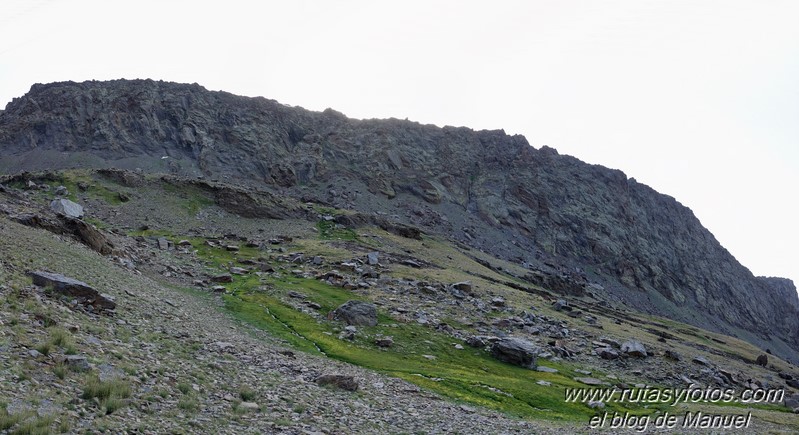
<point>586,227</point>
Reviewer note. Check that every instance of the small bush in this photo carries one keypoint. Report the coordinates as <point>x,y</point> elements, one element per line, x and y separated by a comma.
<point>44,348</point>
<point>188,404</point>
<point>60,370</point>
<point>184,387</point>
<point>7,421</point>
<point>246,393</point>
<point>109,393</point>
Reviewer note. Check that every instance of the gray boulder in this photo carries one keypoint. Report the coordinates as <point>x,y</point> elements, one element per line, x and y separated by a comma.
<point>372,258</point>
<point>634,348</point>
<point>67,208</point>
<point>515,351</point>
<point>464,286</point>
<point>73,288</point>
<point>607,353</point>
<point>78,363</point>
<point>356,313</point>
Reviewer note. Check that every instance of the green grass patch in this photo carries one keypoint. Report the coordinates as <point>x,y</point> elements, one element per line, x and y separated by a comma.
<point>184,387</point>
<point>188,404</point>
<point>191,199</point>
<point>329,230</point>
<point>246,393</point>
<point>111,394</point>
<point>467,375</point>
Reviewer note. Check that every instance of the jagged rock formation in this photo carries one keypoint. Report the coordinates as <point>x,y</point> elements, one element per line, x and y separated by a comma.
<point>591,227</point>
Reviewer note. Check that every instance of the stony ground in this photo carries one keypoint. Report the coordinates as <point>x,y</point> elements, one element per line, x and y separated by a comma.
<point>169,359</point>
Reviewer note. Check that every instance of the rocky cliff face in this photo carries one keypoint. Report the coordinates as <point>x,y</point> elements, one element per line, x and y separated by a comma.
<point>589,225</point>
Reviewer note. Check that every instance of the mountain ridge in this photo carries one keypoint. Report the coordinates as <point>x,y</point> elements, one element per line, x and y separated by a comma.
<point>606,234</point>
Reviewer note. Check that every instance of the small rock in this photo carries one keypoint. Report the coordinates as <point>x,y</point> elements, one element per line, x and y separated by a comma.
<point>560,305</point>
<point>232,248</point>
<point>596,404</point>
<point>184,243</point>
<point>372,258</point>
<point>498,302</point>
<point>701,360</point>
<point>224,278</point>
<point>543,383</point>
<point>317,261</point>
<point>412,263</point>
<point>590,381</point>
<point>163,243</point>
<point>249,406</point>
<point>762,360</point>
<point>296,295</point>
<point>34,353</point>
<point>464,286</point>
<point>77,363</point>
<point>343,382</point>
<point>545,369</point>
<point>384,342</point>
<point>607,353</point>
<point>672,355</point>
<point>610,341</point>
<point>239,271</point>
<point>476,341</point>
<point>61,191</point>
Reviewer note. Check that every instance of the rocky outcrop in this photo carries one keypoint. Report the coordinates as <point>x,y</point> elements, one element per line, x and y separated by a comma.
<point>587,229</point>
<point>356,313</point>
<point>515,351</point>
<point>73,288</point>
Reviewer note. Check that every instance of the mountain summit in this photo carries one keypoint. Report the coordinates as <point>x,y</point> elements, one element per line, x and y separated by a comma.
<point>580,229</point>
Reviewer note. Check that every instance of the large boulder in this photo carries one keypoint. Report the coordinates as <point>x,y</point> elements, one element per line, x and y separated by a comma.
<point>515,351</point>
<point>67,208</point>
<point>84,293</point>
<point>343,382</point>
<point>356,313</point>
<point>634,348</point>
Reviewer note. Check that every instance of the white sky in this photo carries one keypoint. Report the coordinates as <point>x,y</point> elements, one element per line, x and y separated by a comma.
<point>698,99</point>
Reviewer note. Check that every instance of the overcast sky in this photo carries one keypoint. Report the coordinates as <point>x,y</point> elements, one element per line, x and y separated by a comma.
<point>698,99</point>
